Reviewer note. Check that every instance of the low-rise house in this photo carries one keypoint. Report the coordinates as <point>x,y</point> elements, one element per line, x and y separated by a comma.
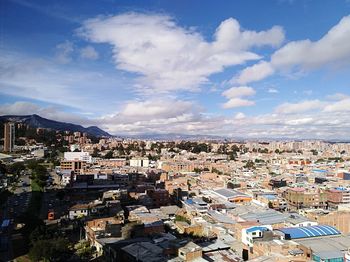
<point>78,211</point>
<point>255,232</point>
<point>109,227</point>
<point>190,252</point>
<point>233,195</point>
<point>195,205</point>
<point>327,248</point>
<point>338,219</point>
<point>142,252</point>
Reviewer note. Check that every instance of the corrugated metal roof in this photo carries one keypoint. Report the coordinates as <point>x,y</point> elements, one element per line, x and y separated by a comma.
<point>228,193</point>
<point>311,231</point>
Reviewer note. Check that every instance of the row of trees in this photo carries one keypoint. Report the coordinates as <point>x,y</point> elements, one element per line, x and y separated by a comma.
<point>39,174</point>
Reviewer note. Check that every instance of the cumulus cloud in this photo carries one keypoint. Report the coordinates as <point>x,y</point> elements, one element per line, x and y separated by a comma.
<point>255,73</point>
<point>89,52</point>
<point>332,47</point>
<point>172,58</point>
<point>162,115</point>
<point>304,55</point>
<point>304,106</point>
<point>155,109</point>
<point>239,116</point>
<point>235,97</point>
<point>64,52</point>
<point>191,120</point>
<point>339,106</point>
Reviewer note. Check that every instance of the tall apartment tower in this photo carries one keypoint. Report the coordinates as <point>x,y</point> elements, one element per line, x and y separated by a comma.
<point>9,137</point>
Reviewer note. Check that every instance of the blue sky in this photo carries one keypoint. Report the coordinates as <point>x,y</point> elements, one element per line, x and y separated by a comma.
<point>277,69</point>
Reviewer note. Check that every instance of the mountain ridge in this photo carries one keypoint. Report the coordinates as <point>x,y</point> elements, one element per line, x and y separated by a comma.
<point>37,121</point>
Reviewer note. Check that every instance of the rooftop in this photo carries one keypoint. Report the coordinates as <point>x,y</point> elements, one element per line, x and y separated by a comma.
<point>311,231</point>
<point>326,244</point>
<point>228,193</point>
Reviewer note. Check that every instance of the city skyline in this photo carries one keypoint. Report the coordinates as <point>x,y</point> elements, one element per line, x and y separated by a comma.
<point>250,69</point>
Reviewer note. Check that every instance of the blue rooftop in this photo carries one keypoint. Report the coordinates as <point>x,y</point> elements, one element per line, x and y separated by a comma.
<point>311,231</point>
<point>189,201</point>
<point>252,229</point>
<point>341,188</point>
<point>5,223</point>
<point>270,196</point>
<point>319,170</point>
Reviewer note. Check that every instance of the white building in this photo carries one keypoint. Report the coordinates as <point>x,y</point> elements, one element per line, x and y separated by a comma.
<point>81,156</point>
<point>78,211</point>
<point>139,162</point>
<point>39,153</point>
<point>65,179</point>
<point>251,233</point>
<point>74,147</point>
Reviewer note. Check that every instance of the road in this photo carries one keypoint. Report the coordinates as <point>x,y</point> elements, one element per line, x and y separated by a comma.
<point>50,199</point>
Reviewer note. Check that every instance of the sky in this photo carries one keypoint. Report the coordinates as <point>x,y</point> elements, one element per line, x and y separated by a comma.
<point>248,69</point>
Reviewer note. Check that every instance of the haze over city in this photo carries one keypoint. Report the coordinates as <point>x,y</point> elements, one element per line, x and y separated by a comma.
<point>246,69</point>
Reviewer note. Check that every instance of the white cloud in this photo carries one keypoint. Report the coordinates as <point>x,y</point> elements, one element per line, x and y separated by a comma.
<point>272,90</point>
<point>237,102</point>
<point>240,91</point>
<point>332,49</point>
<point>239,116</point>
<point>89,52</point>
<point>156,109</point>
<point>338,96</point>
<point>64,52</point>
<point>304,106</point>
<point>50,112</point>
<point>339,106</point>
<point>299,121</point>
<point>190,120</point>
<point>254,73</point>
<point>235,94</point>
<point>172,58</point>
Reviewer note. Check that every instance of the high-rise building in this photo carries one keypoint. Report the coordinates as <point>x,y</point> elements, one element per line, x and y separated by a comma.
<point>9,137</point>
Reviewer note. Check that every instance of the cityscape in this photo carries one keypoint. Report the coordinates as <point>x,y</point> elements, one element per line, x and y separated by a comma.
<point>154,131</point>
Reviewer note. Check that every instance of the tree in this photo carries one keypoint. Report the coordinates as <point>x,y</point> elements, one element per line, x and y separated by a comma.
<point>3,168</point>
<point>84,250</point>
<point>270,204</point>
<point>314,152</point>
<point>249,164</point>
<point>31,164</point>
<point>50,249</point>
<point>94,153</point>
<point>109,154</point>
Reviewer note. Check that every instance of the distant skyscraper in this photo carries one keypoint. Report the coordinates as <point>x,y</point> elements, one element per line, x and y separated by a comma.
<point>9,137</point>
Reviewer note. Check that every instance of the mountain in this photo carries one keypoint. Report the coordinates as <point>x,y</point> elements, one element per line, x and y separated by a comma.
<point>38,121</point>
